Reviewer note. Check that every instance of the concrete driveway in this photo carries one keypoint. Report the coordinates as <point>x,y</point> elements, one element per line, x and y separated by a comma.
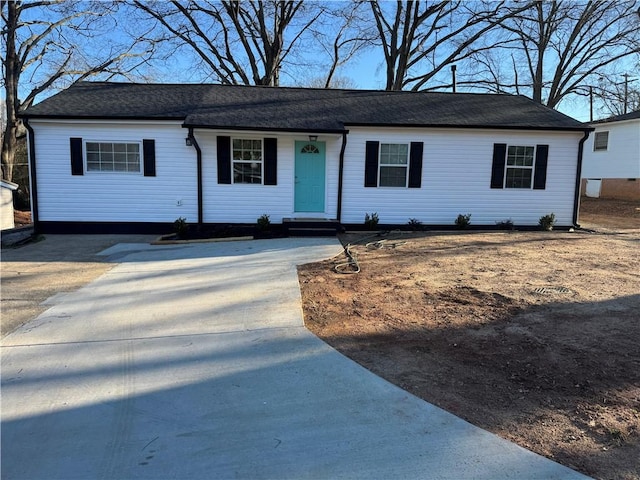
<point>193,362</point>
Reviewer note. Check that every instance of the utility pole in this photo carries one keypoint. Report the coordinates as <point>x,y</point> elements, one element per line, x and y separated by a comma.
<point>590,103</point>
<point>453,77</point>
<point>626,91</point>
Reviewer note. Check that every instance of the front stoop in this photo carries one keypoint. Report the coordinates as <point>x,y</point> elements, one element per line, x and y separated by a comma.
<point>310,227</point>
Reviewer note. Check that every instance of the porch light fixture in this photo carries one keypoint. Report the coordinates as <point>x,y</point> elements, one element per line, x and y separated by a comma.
<point>313,138</point>
<point>188,142</point>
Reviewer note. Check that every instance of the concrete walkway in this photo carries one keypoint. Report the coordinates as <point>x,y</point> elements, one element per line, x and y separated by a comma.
<point>192,362</point>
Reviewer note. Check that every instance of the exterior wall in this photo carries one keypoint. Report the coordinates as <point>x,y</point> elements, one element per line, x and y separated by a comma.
<point>243,203</point>
<point>613,188</point>
<point>456,176</point>
<point>114,197</point>
<point>622,157</point>
<point>6,209</point>
<point>620,188</point>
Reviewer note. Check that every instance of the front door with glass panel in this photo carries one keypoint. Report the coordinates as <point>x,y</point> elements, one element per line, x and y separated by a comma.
<point>309,177</point>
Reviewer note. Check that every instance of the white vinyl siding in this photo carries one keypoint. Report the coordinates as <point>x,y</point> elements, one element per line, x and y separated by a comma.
<point>456,178</point>
<point>621,159</point>
<point>114,196</point>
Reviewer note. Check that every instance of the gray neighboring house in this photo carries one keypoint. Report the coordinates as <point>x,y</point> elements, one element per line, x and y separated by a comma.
<point>116,157</point>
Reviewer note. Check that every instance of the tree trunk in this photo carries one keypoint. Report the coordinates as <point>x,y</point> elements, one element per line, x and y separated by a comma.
<point>10,141</point>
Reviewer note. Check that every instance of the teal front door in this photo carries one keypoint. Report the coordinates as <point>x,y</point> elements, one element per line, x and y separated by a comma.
<point>309,177</point>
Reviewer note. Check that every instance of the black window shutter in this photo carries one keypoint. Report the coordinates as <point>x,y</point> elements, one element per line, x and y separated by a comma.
<point>270,161</point>
<point>415,165</point>
<point>149,156</point>
<point>540,175</point>
<point>371,164</point>
<point>77,164</point>
<point>224,159</point>
<point>497,170</point>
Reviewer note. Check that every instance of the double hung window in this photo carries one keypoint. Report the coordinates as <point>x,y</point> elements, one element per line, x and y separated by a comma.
<point>113,157</point>
<point>519,171</point>
<point>247,160</point>
<point>394,164</point>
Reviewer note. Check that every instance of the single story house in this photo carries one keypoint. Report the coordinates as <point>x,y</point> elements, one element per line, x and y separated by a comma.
<point>612,158</point>
<point>116,157</point>
<point>6,207</point>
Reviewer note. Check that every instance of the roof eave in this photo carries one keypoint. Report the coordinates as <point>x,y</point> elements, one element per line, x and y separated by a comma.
<point>585,128</point>
<point>264,129</point>
<point>100,117</point>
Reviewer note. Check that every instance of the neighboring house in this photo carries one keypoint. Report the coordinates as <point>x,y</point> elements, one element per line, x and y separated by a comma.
<point>6,208</point>
<point>611,167</point>
<point>132,157</point>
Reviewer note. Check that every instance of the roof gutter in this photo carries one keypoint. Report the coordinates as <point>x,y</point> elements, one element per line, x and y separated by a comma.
<point>576,199</point>
<point>264,129</point>
<point>32,175</point>
<point>471,127</point>
<point>340,175</point>
<point>195,144</point>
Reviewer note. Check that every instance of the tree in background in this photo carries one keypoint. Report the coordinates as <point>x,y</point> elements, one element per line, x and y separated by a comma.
<point>54,43</point>
<point>555,49</point>
<point>419,39</point>
<point>341,33</point>
<point>618,98</point>
<point>237,42</point>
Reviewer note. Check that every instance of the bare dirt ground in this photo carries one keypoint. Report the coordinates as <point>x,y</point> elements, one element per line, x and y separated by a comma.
<point>534,336</point>
<point>21,219</point>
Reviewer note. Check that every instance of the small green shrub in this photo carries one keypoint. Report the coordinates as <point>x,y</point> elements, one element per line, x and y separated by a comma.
<point>181,227</point>
<point>414,225</point>
<point>505,224</point>
<point>547,222</point>
<point>463,221</point>
<point>371,221</point>
<point>263,222</point>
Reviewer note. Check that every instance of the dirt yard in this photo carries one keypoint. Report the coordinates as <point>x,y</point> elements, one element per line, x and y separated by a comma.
<point>534,336</point>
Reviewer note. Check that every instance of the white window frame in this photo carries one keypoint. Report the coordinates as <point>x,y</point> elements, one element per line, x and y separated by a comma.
<point>520,167</point>
<point>85,154</point>
<point>602,133</point>
<point>233,161</point>
<point>392,165</point>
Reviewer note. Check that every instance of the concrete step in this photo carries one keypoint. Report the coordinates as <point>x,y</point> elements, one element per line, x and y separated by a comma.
<point>310,227</point>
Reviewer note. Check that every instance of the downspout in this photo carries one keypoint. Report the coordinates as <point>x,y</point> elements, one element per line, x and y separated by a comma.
<point>32,176</point>
<point>194,142</point>
<point>576,200</point>
<point>340,174</point>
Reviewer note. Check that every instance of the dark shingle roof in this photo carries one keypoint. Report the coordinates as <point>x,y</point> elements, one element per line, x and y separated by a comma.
<point>297,109</point>
<point>620,118</point>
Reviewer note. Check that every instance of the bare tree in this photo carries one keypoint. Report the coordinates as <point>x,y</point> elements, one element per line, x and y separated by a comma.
<point>238,42</point>
<point>618,97</point>
<point>560,48</point>
<point>420,38</point>
<point>41,51</point>
<point>343,33</point>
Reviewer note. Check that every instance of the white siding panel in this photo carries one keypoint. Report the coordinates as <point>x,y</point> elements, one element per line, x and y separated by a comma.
<point>621,159</point>
<point>456,175</point>
<point>115,197</point>
<point>243,203</point>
